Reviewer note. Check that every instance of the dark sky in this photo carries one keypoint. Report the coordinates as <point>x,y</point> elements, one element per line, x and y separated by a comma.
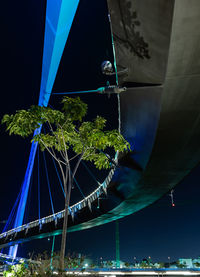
<point>158,231</point>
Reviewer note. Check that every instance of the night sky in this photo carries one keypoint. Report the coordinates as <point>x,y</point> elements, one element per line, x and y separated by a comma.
<point>158,231</point>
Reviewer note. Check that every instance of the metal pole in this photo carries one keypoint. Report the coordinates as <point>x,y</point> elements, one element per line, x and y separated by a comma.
<point>52,250</point>
<point>117,245</point>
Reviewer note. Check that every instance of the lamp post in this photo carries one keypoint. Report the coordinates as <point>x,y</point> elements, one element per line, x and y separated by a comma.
<point>101,262</point>
<point>134,259</point>
<point>169,261</point>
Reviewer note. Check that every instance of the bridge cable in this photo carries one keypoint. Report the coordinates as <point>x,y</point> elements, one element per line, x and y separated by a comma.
<point>54,163</point>
<point>38,183</point>
<point>90,172</point>
<point>58,175</point>
<point>10,218</point>
<point>52,250</point>
<point>79,187</point>
<point>50,195</point>
<point>113,48</point>
<point>61,181</point>
<point>28,201</point>
<point>116,75</point>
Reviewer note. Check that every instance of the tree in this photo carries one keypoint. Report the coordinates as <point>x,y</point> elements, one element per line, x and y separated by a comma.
<point>197,264</point>
<point>18,270</point>
<point>68,138</point>
<point>127,264</point>
<point>145,263</point>
<point>160,265</point>
<point>109,263</point>
<point>181,265</point>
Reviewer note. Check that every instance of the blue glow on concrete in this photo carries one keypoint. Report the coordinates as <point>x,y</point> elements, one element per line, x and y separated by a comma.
<point>59,18</point>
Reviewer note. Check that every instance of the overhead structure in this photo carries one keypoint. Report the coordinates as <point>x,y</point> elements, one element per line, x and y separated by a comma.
<point>158,43</point>
<point>59,18</point>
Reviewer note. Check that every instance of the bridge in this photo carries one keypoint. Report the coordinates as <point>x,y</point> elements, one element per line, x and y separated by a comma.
<point>162,81</point>
<point>10,259</point>
<point>133,272</point>
<point>141,272</point>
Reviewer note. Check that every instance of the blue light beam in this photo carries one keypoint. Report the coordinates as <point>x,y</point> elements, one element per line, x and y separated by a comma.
<point>59,18</point>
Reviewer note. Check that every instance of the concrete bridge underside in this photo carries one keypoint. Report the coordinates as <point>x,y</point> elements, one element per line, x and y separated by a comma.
<point>159,43</point>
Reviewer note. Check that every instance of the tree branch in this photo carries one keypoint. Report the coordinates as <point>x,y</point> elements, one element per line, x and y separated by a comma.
<point>51,129</point>
<point>74,157</point>
<point>77,164</point>
<point>66,155</point>
<point>54,156</point>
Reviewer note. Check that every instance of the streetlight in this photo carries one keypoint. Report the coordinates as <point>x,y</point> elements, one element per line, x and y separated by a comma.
<point>101,261</point>
<point>169,260</point>
<point>134,258</point>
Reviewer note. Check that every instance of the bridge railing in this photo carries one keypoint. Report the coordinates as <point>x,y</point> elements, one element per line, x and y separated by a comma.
<point>72,209</point>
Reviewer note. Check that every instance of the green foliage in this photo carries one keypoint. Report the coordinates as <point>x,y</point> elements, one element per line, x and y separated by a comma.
<point>127,264</point>
<point>23,123</point>
<point>181,265</point>
<point>88,138</point>
<point>18,270</point>
<point>145,264</point>
<point>85,140</point>
<point>40,266</point>
<point>74,108</point>
<point>161,265</point>
<point>109,263</point>
<point>197,264</point>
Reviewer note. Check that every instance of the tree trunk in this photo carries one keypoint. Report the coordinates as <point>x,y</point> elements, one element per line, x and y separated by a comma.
<point>67,201</point>
<point>64,232</point>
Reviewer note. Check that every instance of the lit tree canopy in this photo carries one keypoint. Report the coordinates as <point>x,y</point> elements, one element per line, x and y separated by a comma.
<point>67,130</point>
<point>68,138</point>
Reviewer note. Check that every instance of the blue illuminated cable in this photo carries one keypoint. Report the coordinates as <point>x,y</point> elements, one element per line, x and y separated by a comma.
<point>45,164</point>
<point>59,19</point>
<point>38,183</point>
<point>51,107</point>
<point>60,182</point>
<point>11,213</point>
<point>10,218</point>
<point>90,172</point>
<point>28,202</point>
<point>58,176</point>
<point>78,187</point>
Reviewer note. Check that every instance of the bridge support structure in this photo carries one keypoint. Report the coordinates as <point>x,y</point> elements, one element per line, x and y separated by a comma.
<point>59,18</point>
